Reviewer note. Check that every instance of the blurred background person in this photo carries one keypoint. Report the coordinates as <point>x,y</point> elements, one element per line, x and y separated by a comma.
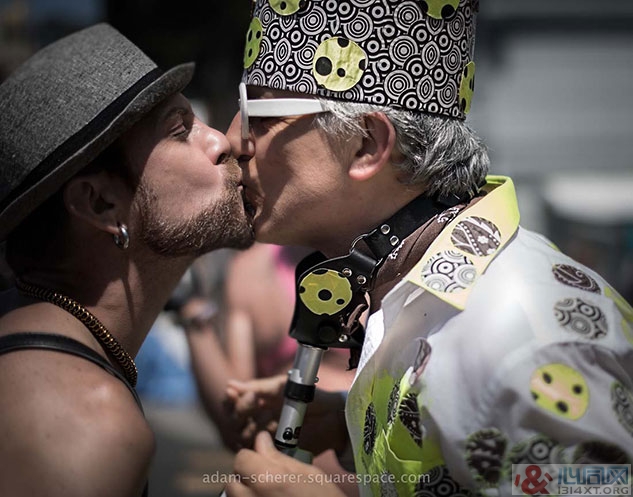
<point>252,340</point>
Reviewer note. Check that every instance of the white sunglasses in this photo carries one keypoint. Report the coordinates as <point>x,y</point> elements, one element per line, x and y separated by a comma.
<point>275,107</point>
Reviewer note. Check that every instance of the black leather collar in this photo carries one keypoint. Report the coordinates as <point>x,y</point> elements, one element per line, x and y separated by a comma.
<point>327,310</point>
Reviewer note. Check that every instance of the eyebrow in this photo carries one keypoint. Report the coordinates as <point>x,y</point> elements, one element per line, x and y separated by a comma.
<point>177,109</point>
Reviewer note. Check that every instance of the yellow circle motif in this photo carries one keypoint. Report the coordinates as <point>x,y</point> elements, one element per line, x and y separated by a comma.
<point>339,64</point>
<point>254,37</point>
<point>467,87</point>
<point>561,390</point>
<point>325,291</point>
<point>286,7</point>
<point>440,9</point>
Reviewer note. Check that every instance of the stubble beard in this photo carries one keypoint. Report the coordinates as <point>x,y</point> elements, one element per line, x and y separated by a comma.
<point>222,224</point>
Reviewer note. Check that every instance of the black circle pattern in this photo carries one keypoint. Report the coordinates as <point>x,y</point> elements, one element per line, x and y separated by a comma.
<point>598,452</point>
<point>418,47</point>
<point>449,272</point>
<point>581,317</point>
<point>574,277</point>
<point>477,236</point>
<point>622,403</point>
<point>484,455</point>
<point>392,405</point>
<point>370,429</point>
<point>409,415</point>
<point>537,450</point>
<point>440,484</point>
<point>387,487</point>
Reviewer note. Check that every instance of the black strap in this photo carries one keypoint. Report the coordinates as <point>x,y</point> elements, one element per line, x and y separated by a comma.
<point>339,327</point>
<point>388,235</point>
<point>61,343</point>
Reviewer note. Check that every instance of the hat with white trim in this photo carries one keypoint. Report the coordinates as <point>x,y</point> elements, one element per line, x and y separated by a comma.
<point>408,54</point>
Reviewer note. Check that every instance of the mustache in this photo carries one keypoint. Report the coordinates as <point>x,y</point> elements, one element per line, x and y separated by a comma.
<point>233,171</point>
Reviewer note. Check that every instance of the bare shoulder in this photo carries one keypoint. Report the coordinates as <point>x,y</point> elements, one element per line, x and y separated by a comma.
<point>255,259</point>
<point>253,267</point>
<point>70,429</point>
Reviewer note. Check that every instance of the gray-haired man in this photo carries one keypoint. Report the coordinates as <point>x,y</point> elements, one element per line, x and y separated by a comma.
<point>485,346</point>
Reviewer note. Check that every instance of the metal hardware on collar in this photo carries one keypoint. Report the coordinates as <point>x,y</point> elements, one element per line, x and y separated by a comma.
<point>331,292</point>
<point>382,240</point>
<point>330,296</point>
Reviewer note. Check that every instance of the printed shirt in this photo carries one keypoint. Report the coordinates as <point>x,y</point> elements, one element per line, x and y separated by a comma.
<point>496,349</point>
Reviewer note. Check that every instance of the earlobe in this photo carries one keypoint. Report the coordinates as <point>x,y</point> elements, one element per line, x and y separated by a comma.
<point>93,200</point>
<point>376,148</point>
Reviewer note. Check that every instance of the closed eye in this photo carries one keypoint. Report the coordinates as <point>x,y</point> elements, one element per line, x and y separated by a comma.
<point>183,128</point>
<point>179,122</point>
<point>182,133</point>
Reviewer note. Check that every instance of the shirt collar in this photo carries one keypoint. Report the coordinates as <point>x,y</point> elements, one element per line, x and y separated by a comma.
<point>464,249</point>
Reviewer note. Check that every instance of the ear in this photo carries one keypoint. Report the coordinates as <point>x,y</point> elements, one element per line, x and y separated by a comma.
<point>98,199</point>
<point>376,149</point>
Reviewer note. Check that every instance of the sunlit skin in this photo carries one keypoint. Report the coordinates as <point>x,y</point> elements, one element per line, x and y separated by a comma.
<point>306,193</point>
<point>74,418</point>
<point>195,206</point>
<point>197,151</point>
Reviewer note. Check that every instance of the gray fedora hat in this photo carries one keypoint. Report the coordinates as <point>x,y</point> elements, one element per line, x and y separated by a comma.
<point>67,104</point>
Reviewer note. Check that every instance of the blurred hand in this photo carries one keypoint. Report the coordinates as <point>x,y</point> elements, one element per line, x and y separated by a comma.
<point>197,313</point>
<point>256,405</point>
<point>267,472</point>
<point>253,406</point>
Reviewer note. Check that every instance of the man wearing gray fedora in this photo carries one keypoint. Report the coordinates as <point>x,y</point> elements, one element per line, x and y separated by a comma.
<point>110,188</point>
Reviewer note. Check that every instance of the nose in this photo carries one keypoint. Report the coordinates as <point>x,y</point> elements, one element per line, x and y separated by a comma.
<point>215,143</point>
<point>242,149</point>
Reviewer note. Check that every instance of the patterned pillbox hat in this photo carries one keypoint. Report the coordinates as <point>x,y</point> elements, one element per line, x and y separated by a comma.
<point>408,54</point>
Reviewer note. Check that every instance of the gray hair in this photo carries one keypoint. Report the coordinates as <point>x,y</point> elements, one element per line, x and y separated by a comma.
<point>441,154</point>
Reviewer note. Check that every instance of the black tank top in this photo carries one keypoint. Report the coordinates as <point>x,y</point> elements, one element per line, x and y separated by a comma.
<point>60,343</point>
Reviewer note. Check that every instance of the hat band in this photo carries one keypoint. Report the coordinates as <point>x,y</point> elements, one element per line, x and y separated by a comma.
<point>85,135</point>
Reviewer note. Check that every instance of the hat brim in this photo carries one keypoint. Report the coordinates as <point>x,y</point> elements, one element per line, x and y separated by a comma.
<point>45,184</point>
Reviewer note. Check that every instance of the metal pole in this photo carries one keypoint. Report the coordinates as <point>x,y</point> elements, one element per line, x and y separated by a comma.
<point>299,392</point>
